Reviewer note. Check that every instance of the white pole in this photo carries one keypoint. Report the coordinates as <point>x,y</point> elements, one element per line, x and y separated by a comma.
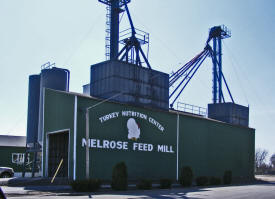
<point>87,145</point>
<point>75,135</point>
<point>177,147</point>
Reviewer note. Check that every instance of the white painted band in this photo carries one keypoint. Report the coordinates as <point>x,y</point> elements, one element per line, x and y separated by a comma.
<point>75,135</point>
<point>177,147</point>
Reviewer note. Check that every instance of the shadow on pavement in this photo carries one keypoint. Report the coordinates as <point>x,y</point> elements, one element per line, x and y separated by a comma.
<point>63,189</point>
<point>173,193</point>
<point>146,194</point>
<point>50,188</point>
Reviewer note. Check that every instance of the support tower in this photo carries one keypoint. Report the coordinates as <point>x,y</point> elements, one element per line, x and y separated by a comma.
<point>115,8</point>
<point>217,33</point>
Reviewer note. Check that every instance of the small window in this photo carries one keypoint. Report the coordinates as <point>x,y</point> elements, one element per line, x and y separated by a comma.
<point>18,158</point>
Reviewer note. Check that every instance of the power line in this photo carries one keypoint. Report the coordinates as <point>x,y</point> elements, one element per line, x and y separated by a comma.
<point>236,73</point>
<point>16,123</point>
<point>258,97</point>
<point>161,41</point>
<point>84,38</point>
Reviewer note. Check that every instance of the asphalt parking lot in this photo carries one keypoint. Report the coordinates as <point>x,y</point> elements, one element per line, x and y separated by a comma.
<point>258,190</point>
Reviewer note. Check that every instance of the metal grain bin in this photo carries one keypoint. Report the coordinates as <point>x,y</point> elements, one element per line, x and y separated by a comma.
<point>86,89</point>
<point>138,85</point>
<point>54,78</point>
<point>230,113</point>
<point>33,109</point>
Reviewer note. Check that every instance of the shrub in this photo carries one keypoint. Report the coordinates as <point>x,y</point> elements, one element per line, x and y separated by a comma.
<point>86,185</point>
<point>119,177</point>
<point>202,181</point>
<point>144,184</point>
<point>227,177</point>
<point>165,183</point>
<point>215,181</point>
<point>186,176</point>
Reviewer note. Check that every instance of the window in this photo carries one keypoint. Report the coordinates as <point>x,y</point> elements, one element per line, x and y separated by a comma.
<point>18,158</point>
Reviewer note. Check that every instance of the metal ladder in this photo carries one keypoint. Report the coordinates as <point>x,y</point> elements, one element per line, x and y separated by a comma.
<point>107,32</point>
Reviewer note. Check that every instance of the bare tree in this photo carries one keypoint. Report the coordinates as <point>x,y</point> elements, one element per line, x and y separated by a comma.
<point>260,158</point>
<point>272,160</point>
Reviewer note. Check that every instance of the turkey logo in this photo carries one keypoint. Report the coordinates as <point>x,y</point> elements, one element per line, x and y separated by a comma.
<point>133,129</point>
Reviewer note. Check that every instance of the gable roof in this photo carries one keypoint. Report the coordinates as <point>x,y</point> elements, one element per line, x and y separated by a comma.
<point>10,140</point>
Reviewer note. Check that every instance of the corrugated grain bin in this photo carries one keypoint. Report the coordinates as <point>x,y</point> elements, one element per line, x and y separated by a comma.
<point>86,89</point>
<point>230,113</point>
<point>54,78</point>
<point>137,85</point>
<point>33,109</point>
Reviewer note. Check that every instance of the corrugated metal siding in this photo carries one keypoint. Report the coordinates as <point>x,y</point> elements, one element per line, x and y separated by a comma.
<point>59,115</point>
<point>86,89</point>
<point>230,113</point>
<point>33,109</point>
<point>140,86</point>
<point>209,147</point>
<point>53,78</point>
<point>6,157</point>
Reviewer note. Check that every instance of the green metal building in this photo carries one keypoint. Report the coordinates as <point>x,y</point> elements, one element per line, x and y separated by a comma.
<point>12,150</point>
<point>154,144</point>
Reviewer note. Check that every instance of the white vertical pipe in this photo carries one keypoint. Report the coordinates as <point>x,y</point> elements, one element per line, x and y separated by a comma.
<point>75,135</point>
<point>177,147</point>
<point>87,145</point>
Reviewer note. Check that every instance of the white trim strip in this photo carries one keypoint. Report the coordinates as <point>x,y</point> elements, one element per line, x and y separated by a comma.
<point>47,155</point>
<point>42,130</point>
<point>178,146</point>
<point>75,134</point>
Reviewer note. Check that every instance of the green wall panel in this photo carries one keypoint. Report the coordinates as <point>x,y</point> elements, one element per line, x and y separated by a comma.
<point>139,162</point>
<point>209,147</point>
<point>58,115</point>
<point>6,157</point>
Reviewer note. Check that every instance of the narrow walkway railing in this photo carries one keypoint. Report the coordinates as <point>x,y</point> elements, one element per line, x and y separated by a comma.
<point>192,109</point>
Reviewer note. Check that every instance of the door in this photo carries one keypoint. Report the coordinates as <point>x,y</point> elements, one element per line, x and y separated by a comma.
<point>58,150</point>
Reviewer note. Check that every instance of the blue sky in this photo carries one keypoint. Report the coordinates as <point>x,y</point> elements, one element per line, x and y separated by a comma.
<point>71,34</point>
